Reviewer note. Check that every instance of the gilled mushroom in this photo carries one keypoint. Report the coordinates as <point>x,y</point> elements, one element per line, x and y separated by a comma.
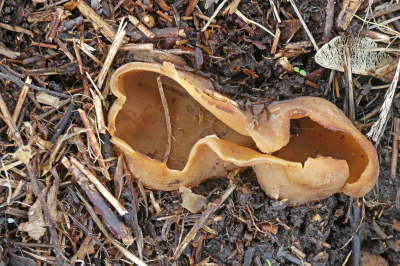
<point>304,150</point>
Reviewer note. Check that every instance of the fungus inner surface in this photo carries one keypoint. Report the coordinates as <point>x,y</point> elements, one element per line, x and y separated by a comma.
<point>310,139</point>
<point>141,121</point>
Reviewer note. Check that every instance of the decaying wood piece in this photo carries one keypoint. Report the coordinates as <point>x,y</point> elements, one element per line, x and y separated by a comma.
<point>111,221</point>
<point>349,8</point>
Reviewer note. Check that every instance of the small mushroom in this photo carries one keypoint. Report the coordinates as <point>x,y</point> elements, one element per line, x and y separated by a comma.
<point>304,150</point>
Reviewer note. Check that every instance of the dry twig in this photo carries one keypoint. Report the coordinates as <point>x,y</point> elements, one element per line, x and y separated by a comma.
<point>168,120</point>
<point>304,25</point>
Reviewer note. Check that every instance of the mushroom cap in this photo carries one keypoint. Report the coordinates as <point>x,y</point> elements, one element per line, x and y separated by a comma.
<point>327,154</point>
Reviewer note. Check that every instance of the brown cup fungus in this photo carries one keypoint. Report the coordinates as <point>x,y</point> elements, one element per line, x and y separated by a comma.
<point>304,150</point>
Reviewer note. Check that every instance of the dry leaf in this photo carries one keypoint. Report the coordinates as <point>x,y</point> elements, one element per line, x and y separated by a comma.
<point>52,202</point>
<point>36,226</point>
<point>365,60</point>
<point>192,202</point>
<point>47,99</point>
<point>24,153</point>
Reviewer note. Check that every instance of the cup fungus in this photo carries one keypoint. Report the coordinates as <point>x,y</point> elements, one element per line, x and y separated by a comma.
<point>304,150</point>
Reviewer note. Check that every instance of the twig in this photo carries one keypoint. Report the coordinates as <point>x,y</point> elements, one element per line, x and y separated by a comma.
<point>133,217</point>
<point>115,225</point>
<point>276,40</point>
<point>21,100</point>
<point>100,187</point>
<point>304,25</point>
<point>111,54</point>
<point>8,53</point>
<point>237,12</point>
<point>78,57</point>
<point>17,29</point>
<point>86,49</point>
<point>234,6</point>
<point>384,11</point>
<point>330,11</point>
<point>96,219</point>
<point>378,127</point>
<point>214,15</point>
<point>163,5</point>
<point>191,6</point>
<point>394,20</point>
<point>347,258</point>
<point>136,47</point>
<point>55,22</point>
<point>94,85</point>
<point>62,104</point>
<point>167,18</point>
<point>141,27</point>
<point>275,11</point>
<point>63,47</point>
<point>101,125</point>
<point>97,21</point>
<point>395,148</point>
<point>212,207</point>
<point>45,45</point>
<point>204,17</point>
<point>168,120</point>
<point>356,244</point>
<point>350,87</point>
<point>64,122</point>
<point>93,143</point>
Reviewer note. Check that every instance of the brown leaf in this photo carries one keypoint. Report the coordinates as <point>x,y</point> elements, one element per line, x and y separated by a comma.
<point>192,202</point>
<point>36,226</point>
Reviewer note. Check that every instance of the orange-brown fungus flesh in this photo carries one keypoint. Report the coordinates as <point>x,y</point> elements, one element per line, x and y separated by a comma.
<point>315,141</point>
<point>326,155</point>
